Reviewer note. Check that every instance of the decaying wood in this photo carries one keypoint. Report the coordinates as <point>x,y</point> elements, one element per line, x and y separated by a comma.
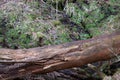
<point>16,63</point>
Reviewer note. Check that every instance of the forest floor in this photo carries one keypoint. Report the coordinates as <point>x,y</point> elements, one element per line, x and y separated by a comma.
<point>32,24</point>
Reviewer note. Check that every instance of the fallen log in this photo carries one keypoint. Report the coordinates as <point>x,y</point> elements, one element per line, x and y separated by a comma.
<point>17,63</point>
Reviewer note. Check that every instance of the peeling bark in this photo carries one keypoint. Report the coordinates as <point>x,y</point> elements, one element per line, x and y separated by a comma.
<point>16,63</point>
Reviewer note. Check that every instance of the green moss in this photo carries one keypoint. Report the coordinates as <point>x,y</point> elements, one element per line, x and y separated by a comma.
<point>56,23</point>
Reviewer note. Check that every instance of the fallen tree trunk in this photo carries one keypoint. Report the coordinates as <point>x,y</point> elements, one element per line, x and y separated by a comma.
<point>16,63</point>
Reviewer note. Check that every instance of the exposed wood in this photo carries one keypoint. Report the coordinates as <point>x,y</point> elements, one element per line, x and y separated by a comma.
<point>16,63</point>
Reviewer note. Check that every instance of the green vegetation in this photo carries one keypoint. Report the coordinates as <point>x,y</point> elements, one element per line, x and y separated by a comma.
<point>25,28</point>
<point>31,24</point>
<point>94,15</point>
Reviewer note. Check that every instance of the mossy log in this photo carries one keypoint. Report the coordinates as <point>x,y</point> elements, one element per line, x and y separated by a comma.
<point>17,63</point>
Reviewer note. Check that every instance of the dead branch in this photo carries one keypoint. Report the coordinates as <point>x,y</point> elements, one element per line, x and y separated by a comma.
<point>16,63</point>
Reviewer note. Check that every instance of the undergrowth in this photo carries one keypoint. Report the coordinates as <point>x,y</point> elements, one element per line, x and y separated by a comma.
<point>32,24</point>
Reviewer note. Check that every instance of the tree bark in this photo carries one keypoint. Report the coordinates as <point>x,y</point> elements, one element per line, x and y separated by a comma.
<point>17,63</point>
